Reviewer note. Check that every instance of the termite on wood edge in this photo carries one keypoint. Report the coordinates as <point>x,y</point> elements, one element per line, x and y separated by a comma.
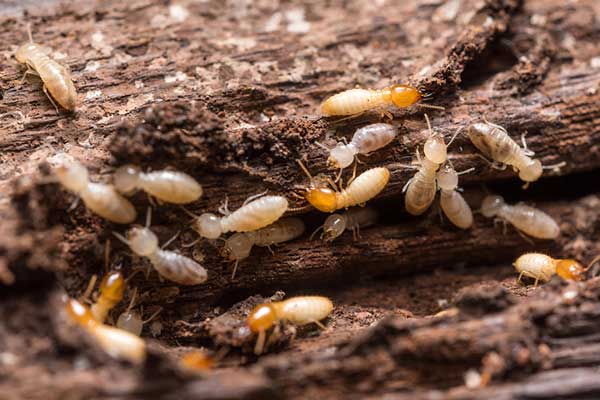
<point>542,267</point>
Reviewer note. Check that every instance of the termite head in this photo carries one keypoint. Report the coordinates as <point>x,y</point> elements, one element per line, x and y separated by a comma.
<point>70,173</point>
<point>447,178</point>
<point>570,269</point>
<point>237,247</point>
<point>22,52</point>
<point>322,198</point>
<point>435,149</point>
<point>142,241</point>
<point>208,225</point>
<point>113,286</point>
<point>262,318</point>
<point>491,205</point>
<point>405,95</point>
<point>333,227</point>
<point>340,157</point>
<point>80,313</point>
<point>531,172</point>
<point>126,178</point>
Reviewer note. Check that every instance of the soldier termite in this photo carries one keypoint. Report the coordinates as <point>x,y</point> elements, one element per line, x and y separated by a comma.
<point>362,189</point>
<point>494,143</point>
<point>365,140</point>
<point>254,214</point>
<point>172,266</point>
<point>55,77</point>
<point>532,221</point>
<point>116,342</point>
<point>197,360</point>
<point>451,201</point>
<point>100,198</point>
<point>421,188</point>
<point>168,186</point>
<point>111,293</point>
<point>238,246</point>
<point>301,310</point>
<point>131,320</point>
<point>353,219</point>
<point>356,101</point>
<point>542,267</point>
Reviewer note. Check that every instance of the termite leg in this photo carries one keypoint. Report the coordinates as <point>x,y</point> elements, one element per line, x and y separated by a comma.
<point>73,204</point>
<point>253,197</point>
<point>525,149</point>
<point>405,187</point>
<point>535,284</point>
<point>304,169</point>
<point>316,230</point>
<point>224,208</point>
<point>271,250</point>
<point>106,255</point>
<point>29,72</point>
<point>353,175</point>
<point>235,266</point>
<point>519,278</point>
<point>319,324</point>
<point>152,316</point>
<point>528,240</point>
<point>90,287</point>
<point>260,343</point>
<point>45,89</point>
<point>186,245</point>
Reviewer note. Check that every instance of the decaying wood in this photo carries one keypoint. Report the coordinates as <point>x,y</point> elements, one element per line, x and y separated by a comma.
<point>229,93</point>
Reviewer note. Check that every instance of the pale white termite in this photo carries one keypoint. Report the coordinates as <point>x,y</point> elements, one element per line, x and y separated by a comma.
<point>252,215</point>
<point>452,202</point>
<point>172,266</point>
<point>131,320</point>
<point>301,310</point>
<point>494,143</point>
<point>353,219</point>
<point>362,189</point>
<point>542,267</point>
<point>421,188</point>
<point>55,77</point>
<point>166,185</point>
<point>365,140</point>
<point>118,343</point>
<point>238,246</point>
<point>532,221</point>
<point>100,198</point>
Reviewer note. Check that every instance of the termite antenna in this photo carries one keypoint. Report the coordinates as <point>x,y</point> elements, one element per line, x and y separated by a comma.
<point>132,301</point>
<point>594,261</point>
<point>121,237</point>
<point>321,145</point>
<point>431,106</point>
<point>459,130</point>
<point>106,255</point>
<point>148,217</point>
<point>303,167</point>
<point>188,212</point>
<point>466,171</point>
<point>152,316</point>
<point>90,288</point>
<point>428,124</point>
<point>29,32</point>
<point>316,230</point>
<point>556,166</point>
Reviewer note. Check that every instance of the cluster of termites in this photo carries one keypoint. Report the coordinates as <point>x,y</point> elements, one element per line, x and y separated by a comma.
<point>259,222</point>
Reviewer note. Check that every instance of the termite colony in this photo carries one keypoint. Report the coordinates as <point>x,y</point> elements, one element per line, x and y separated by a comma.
<point>260,221</point>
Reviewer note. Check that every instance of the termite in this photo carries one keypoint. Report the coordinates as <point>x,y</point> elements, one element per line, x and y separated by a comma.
<point>452,202</point>
<point>166,185</point>
<point>532,221</point>
<point>421,188</point>
<point>365,140</point>
<point>254,214</point>
<point>197,360</point>
<point>542,267</point>
<point>111,293</point>
<point>353,219</point>
<point>362,189</point>
<point>301,310</point>
<point>131,320</point>
<point>356,101</point>
<point>238,246</point>
<point>116,342</point>
<point>493,141</point>
<point>100,198</point>
<point>172,266</point>
<point>55,77</point>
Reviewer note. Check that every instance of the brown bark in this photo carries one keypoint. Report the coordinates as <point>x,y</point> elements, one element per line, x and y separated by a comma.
<point>221,96</point>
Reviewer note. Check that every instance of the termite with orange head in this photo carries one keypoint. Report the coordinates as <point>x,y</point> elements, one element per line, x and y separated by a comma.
<point>353,219</point>
<point>301,310</point>
<point>116,342</point>
<point>170,265</point>
<point>100,198</point>
<point>166,185</point>
<point>57,80</point>
<point>238,246</point>
<point>362,189</point>
<point>254,214</point>
<point>452,202</point>
<point>111,293</point>
<point>494,142</point>
<point>542,267</point>
<point>356,101</point>
<point>532,221</point>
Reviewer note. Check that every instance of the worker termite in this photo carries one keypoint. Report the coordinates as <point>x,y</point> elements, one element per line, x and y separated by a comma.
<point>353,219</point>
<point>173,266</point>
<point>116,342</point>
<point>238,246</point>
<point>254,214</point>
<point>356,101</point>
<point>421,188</point>
<point>365,140</point>
<point>542,267</point>
<point>493,141</point>
<point>532,221</point>
<point>131,320</point>
<point>100,198</point>
<point>451,201</point>
<point>168,186</point>
<point>55,77</point>
<point>301,310</point>
<point>360,190</point>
